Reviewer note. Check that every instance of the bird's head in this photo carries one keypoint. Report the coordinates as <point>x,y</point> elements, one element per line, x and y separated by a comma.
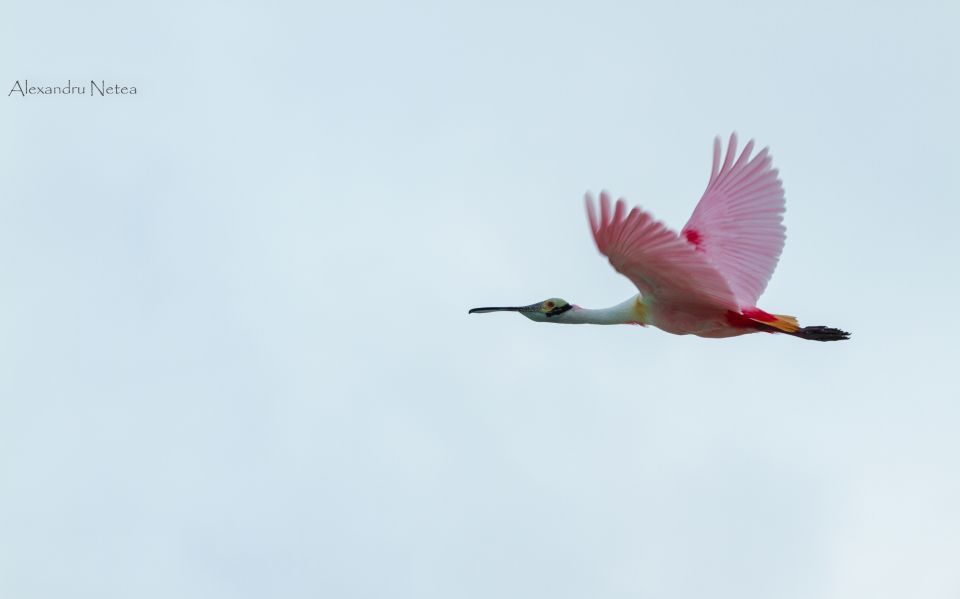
<point>546,311</point>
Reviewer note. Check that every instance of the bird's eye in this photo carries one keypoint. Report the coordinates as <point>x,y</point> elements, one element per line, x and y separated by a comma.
<point>550,305</point>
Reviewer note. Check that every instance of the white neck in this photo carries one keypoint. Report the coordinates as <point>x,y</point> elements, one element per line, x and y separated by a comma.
<point>628,312</point>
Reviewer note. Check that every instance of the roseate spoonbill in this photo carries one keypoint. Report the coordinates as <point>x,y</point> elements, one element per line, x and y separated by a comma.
<point>706,280</point>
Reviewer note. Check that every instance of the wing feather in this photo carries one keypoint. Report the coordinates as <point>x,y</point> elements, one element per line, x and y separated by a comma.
<point>738,223</point>
<point>655,258</point>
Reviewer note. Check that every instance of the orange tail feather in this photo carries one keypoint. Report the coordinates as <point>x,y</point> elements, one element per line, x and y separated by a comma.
<point>781,322</point>
<point>789,325</point>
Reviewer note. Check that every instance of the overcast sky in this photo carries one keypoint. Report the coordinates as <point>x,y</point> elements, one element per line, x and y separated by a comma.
<point>235,358</point>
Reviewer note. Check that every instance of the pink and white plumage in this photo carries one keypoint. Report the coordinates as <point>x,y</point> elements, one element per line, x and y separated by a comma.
<point>738,223</point>
<point>706,280</point>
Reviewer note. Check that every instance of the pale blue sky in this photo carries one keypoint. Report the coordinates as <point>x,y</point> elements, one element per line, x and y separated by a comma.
<point>235,359</point>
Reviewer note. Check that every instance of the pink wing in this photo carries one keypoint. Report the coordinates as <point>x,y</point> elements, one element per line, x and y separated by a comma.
<point>738,224</point>
<point>658,262</point>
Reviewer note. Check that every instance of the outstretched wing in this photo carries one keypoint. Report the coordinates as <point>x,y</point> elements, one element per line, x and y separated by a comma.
<point>658,262</point>
<point>738,224</point>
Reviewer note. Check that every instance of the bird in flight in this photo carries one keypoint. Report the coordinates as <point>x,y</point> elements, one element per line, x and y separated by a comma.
<point>705,280</point>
